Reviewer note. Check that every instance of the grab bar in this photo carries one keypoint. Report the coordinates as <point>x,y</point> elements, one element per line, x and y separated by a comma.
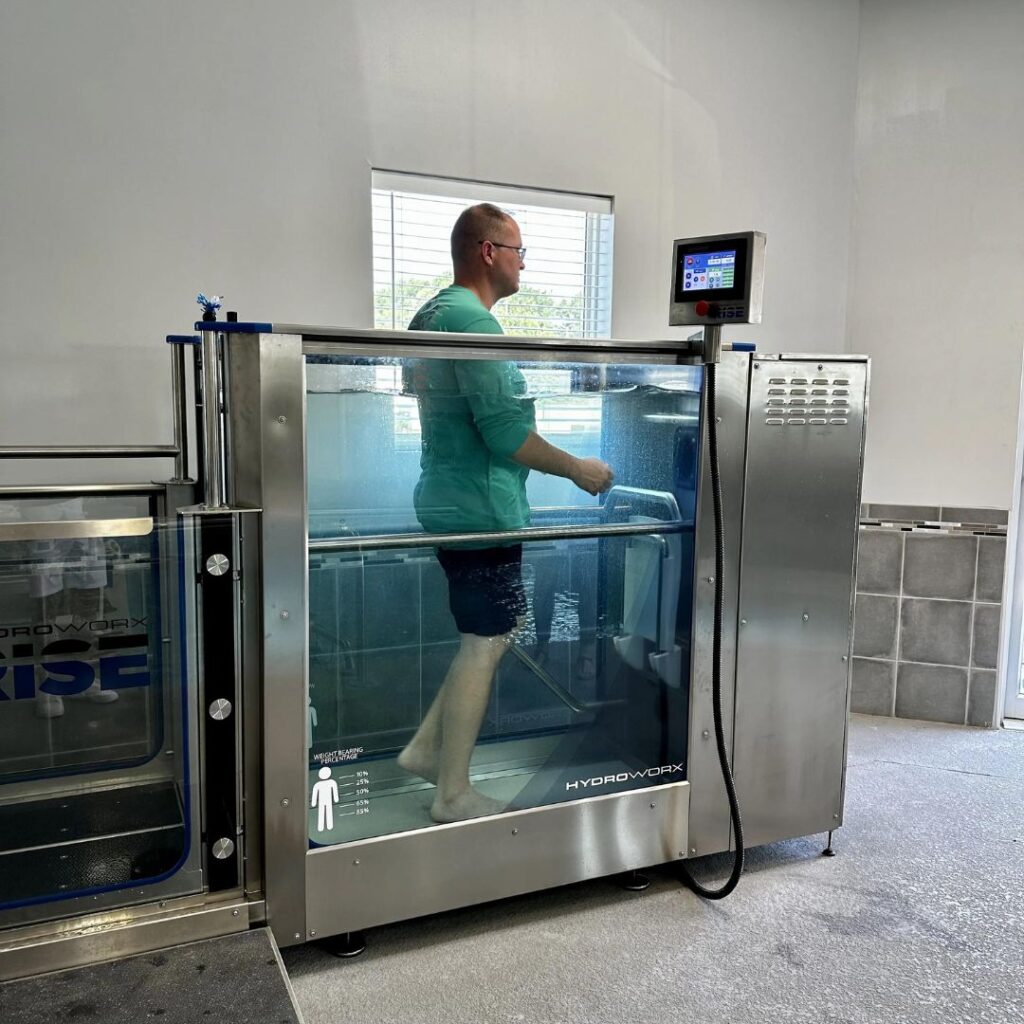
<point>110,451</point>
<point>422,540</point>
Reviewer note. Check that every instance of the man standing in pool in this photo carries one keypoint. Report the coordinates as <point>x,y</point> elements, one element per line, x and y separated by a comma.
<point>479,443</point>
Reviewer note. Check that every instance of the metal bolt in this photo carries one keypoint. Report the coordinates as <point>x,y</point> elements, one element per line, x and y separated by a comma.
<point>217,565</point>
<point>711,579</point>
<point>718,419</point>
<point>356,863</point>
<point>286,614</point>
<point>223,848</point>
<point>844,657</point>
<point>312,934</point>
<point>757,366</point>
<point>515,831</point>
<point>220,709</point>
<point>806,616</point>
<point>693,849</point>
<point>820,366</point>
<point>234,913</point>
<point>297,935</point>
<point>836,816</point>
<point>653,806</point>
<point>681,853</point>
<point>285,802</point>
<point>743,622</point>
<point>283,419</point>
<point>705,734</point>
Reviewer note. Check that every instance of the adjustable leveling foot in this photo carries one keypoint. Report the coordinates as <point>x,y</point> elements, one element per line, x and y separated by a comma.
<point>346,945</point>
<point>634,881</point>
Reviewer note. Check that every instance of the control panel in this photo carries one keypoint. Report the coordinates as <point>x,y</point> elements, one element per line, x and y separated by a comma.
<point>717,279</point>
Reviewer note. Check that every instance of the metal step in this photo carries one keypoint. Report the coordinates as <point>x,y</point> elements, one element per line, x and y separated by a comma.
<point>238,978</point>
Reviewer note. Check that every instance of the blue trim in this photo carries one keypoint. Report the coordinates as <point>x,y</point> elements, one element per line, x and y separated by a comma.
<point>183,339</point>
<point>744,346</point>
<point>228,327</point>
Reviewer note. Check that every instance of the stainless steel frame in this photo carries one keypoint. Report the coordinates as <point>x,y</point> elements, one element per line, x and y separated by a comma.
<point>311,894</point>
<point>791,509</point>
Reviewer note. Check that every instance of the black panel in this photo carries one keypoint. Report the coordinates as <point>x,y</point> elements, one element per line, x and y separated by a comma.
<point>219,670</point>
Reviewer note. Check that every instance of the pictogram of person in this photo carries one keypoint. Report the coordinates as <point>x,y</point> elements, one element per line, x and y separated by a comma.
<point>324,797</point>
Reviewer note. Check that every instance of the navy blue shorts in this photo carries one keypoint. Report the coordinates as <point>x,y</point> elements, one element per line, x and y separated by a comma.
<point>485,588</point>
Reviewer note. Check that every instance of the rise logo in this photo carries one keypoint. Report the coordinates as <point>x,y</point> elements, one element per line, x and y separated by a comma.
<point>68,666</point>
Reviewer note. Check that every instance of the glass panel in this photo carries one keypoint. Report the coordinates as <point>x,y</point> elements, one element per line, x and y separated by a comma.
<point>589,694</point>
<point>94,752</point>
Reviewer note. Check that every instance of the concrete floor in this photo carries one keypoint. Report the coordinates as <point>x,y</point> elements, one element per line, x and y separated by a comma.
<point>919,918</point>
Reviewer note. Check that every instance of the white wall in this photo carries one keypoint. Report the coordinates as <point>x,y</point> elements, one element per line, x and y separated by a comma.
<point>153,150</point>
<point>937,294</point>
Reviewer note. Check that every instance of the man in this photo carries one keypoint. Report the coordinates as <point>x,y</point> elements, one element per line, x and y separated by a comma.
<point>479,444</point>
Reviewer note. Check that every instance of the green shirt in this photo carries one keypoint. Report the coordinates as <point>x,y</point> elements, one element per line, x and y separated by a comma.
<point>474,414</point>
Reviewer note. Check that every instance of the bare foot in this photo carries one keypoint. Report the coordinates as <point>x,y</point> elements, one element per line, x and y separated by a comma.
<point>468,804</point>
<point>419,763</point>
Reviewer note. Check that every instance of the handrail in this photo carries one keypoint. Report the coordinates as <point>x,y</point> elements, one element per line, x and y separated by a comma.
<point>68,529</point>
<point>76,490</point>
<point>112,451</point>
<point>423,540</point>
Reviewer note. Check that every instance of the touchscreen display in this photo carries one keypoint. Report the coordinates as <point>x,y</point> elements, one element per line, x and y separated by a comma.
<point>707,270</point>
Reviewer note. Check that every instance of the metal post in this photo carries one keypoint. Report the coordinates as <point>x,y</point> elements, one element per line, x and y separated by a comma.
<point>197,393</point>
<point>178,406</point>
<point>214,494</point>
<point>712,343</point>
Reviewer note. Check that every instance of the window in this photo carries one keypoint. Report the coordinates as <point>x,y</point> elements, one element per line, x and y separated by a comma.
<point>565,288</point>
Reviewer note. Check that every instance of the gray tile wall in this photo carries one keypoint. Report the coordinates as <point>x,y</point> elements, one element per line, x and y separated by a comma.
<point>926,628</point>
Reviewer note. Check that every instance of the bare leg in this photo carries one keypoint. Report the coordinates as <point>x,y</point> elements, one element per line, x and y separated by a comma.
<point>442,747</point>
<point>423,752</point>
<point>467,690</point>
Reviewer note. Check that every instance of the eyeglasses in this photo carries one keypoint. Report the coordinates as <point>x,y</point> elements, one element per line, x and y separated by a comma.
<point>520,249</point>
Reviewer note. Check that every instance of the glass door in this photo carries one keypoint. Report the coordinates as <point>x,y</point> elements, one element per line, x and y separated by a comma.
<point>462,607</point>
<point>96,769</point>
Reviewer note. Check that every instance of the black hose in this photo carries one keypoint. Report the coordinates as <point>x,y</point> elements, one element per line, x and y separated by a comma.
<point>716,655</point>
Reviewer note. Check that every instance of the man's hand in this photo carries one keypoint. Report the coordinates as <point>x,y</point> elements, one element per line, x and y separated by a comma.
<point>592,475</point>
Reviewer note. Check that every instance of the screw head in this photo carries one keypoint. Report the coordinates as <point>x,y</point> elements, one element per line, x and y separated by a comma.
<point>653,806</point>
<point>743,622</point>
<point>806,617</point>
<point>705,734</point>
<point>693,849</point>
<point>217,565</point>
<point>312,934</point>
<point>356,862</point>
<point>220,709</point>
<point>285,802</point>
<point>283,419</point>
<point>711,579</point>
<point>844,657</point>
<point>515,831</point>
<point>286,614</point>
<point>223,848</point>
<point>234,913</point>
<point>297,935</point>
